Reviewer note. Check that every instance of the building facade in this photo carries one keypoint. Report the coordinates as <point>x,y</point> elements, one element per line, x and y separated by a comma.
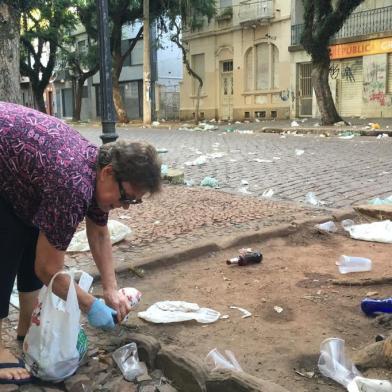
<point>361,64</point>
<point>242,56</point>
<point>166,71</point>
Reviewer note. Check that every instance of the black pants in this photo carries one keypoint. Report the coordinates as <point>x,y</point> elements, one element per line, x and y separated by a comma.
<point>17,255</point>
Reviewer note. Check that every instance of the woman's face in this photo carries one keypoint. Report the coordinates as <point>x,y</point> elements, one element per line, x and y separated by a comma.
<point>111,194</point>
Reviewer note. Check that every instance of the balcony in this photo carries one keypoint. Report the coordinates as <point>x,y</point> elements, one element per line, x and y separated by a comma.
<point>253,11</point>
<point>378,20</point>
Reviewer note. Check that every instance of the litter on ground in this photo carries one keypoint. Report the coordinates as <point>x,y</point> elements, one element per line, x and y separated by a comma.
<point>118,231</point>
<point>177,311</point>
<point>245,313</point>
<point>209,182</point>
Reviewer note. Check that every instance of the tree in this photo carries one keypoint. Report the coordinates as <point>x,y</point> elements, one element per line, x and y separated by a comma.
<point>121,13</point>
<point>44,29</point>
<point>323,19</point>
<point>9,53</point>
<point>128,12</point>
<point>176,38</point>
<point>186,15</point>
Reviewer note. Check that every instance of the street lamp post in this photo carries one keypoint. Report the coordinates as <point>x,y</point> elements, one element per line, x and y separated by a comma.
<point>105,73</point>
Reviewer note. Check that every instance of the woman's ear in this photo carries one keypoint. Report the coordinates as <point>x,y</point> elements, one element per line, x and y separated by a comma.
<point>106,171</point>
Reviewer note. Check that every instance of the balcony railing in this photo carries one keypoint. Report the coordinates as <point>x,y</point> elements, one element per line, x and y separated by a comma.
<point>255,11</point>
<point>378,20</point>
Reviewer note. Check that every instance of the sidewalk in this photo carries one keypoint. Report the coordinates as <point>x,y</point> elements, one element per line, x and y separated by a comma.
<point>359,126</point>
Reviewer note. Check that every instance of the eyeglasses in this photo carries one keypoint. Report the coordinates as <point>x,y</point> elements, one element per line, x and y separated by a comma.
<point>124,198</point>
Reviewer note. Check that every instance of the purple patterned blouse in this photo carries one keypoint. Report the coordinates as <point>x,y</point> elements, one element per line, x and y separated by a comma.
<point>47,173</point>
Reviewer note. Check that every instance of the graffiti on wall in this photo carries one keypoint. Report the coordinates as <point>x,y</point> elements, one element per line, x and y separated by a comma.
<point>334,71</point>
<point>374,80</point>
<point>347,74</point>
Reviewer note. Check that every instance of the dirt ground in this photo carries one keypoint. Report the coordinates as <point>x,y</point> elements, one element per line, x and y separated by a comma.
<point>296,274</point>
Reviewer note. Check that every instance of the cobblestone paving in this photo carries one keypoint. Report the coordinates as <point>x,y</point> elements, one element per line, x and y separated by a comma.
<point>340,172</point>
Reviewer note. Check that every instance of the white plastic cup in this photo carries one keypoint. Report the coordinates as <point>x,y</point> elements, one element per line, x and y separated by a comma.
<point>349,264</point>
<point>215,360</point>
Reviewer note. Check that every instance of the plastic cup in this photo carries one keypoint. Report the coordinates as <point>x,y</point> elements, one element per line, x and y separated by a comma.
<point>349,264</point>
<point>215,360</point>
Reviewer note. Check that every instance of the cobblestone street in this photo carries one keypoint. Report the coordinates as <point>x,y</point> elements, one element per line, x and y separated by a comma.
<point>340,172</point>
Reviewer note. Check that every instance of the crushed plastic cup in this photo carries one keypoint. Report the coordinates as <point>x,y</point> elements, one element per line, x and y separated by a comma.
<point>127,359</point>
<point>329,226</point>
<point>349,264</point>
<point>215,360</point>
<point>333,362</point>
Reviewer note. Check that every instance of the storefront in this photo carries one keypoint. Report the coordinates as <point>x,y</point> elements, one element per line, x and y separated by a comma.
<point>362,75</point>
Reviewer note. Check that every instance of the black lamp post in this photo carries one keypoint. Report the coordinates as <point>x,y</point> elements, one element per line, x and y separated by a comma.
<point>105,72</point>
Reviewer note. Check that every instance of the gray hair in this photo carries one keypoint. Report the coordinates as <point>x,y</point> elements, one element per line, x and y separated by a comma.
<point>134,162</point>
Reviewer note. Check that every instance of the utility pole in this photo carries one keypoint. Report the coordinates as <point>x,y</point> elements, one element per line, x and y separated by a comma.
<point>108,118</point>
<point>146,64</point>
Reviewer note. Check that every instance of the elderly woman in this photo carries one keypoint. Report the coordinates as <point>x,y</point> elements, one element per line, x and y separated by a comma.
<point>51,178</point>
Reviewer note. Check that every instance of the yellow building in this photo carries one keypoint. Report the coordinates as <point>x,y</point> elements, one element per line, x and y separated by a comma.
<point>242,56</point>
<point>361,63</point>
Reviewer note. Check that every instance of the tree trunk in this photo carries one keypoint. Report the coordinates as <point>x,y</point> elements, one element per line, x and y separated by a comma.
<point>198,103</point>
<point>326,105</point>
<point>39,100</point>
<point>9,55</point>
<point>78,100</point>
<point>118,102</point>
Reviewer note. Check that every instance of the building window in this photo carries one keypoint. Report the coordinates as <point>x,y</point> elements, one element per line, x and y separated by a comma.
<point>249,72</point>
<point>82,46</point>
<point>136,56</point>
<point>267,62</point>
<point>137,53</point>
<point>225,3</point>
<point>227,66</point>
<point>198,64</point>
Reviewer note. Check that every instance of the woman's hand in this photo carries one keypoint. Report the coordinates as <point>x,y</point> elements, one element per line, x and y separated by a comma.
<point>118,302</point>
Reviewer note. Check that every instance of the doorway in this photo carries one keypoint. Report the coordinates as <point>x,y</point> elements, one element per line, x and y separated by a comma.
<point>305,90</point>
<point>226,87</point>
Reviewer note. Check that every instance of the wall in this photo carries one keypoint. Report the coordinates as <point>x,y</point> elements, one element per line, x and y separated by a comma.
<point>376,103</point>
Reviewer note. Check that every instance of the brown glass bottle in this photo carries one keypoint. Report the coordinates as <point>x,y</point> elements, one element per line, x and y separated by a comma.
<point>246,258</point>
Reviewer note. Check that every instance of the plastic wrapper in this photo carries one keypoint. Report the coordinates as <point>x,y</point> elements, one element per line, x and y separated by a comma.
<point>215,360</point>
<point>127,359</point>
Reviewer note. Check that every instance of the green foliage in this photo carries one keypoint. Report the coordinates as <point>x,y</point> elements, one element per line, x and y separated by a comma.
<point>323,19</point>
<point>46,25</point>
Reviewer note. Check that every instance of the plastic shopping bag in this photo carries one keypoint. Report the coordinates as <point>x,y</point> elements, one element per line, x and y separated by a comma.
<point>50,349</point>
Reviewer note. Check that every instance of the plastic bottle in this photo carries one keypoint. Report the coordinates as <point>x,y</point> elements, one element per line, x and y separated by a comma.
<point>245,258</point>
<point>348,264</point>
<point>370,306</point>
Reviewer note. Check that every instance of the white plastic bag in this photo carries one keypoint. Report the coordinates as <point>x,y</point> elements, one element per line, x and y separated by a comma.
<point>360,384</point>
<point>176,311</point>
<point>376,231</point>
<point>50,346</point>
<point>118,231</point>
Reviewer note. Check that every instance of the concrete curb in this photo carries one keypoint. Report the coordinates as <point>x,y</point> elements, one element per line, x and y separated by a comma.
<point>325,130</point>
<point>217,244</point>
